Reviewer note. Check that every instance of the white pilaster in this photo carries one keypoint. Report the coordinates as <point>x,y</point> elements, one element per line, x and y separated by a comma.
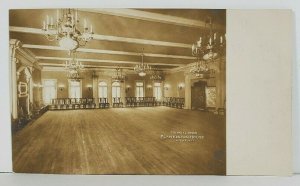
<point>13,46</point>
<point>188,93</point>
<point>95,90</point>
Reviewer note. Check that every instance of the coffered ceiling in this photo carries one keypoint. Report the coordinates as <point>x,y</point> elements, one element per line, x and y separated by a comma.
<point>166,35</point>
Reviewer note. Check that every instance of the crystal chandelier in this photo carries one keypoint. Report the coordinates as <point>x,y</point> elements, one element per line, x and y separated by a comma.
<point>209,47</point>
<point>200,67</point>
<point>73,66</point>
<point>118,76</point>
<point>155,76</point>
<point>142,68</point>
<point>74,75</point>
<point>67,30</point>
<point>206,50</point>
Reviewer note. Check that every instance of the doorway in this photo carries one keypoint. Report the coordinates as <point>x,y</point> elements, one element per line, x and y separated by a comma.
<point>198,95</point>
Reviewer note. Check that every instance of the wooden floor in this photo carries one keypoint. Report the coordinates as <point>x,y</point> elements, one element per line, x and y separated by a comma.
<point>121,141</point>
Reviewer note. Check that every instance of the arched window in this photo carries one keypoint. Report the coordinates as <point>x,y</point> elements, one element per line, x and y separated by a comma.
<point>139,86</point>
<point>157,91</point>
<point>74,89</point>
<point>49,90</point>
<point>116,90</point>
<point>102,90</point>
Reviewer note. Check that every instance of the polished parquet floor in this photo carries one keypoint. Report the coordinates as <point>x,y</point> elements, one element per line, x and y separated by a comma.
<point>121,141</point>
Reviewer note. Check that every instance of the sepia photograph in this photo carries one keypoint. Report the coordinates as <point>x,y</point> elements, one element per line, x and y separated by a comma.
<point>118,91</point>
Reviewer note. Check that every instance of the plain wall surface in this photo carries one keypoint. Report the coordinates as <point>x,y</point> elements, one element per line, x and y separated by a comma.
<point>259,93</point>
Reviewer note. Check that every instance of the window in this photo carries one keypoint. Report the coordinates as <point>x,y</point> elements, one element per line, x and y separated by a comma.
<point>102,90</point>
<point>116,90</point>
<point>74,89</point>
<point>49,90</point>
<point>157,91</point>
<point>139,89</point>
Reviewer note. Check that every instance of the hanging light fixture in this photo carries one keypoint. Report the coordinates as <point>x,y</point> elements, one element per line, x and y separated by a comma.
<point>199,68</point>
<point>73,65</point>
<point>209,46</point>
<point>66,29</point>
<point>118,76</point>
<point>206,50</point>
<point>155,76</point>
<point>142,68</point>
<point>74,76</point>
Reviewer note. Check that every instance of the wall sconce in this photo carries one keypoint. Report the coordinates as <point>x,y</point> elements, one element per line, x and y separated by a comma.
<point>37,86</point>
<point>167,87</point>
<point>90,87</point>
<point>149,87</point>
<point>180,86</point>
<point>61,87</point>
<point>127,88</point>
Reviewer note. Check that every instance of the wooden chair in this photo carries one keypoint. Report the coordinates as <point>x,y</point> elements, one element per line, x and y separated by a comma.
<point>146,101</point>
<point>117,102</point>
<point>134,102</point>
<point>106,103</point>
<point>180,103</point>
<point>103,103</point>
<point>61,104</point>
<point>52,105</point>
<point>76,103</point>
<point>83,103</point>
<point>68,103</point>
<point>141,102</point>
<point>128,102</point>
<point>153,102</point>
<point>90,103</point>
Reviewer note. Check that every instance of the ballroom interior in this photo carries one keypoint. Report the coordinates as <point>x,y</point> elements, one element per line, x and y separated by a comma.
<point>118,91</point>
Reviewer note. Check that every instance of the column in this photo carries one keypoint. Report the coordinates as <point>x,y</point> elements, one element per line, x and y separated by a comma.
<point>30,84</point>
<point>13,45</point>
<point>109,92</point>
<point>14,93</point>
<point>223,82</point>
<point>188,92</point>
<point>218,85</point>
<point>95,90</point>
<point>29,91</point>
<point>123,92</point>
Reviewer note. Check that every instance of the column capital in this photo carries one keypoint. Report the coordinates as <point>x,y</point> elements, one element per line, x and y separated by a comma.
<point>187,73</point>
<point>15,43</point>
<point>15,60</point>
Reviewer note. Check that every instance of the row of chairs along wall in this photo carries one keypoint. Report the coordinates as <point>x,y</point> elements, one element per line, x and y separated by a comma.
<point>90,103</point>
<point>174,102</point>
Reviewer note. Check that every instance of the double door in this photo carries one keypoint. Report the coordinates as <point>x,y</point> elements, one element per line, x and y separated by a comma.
<point>198,95</point>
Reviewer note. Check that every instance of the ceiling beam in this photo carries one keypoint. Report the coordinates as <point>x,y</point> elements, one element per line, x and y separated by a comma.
<point>107,38</point>
<point>103,61</point>
<point>113,52</point>
<point>86,66</point>
<point>109,69</point>
<point>150,16</point>
<point>61,67</point>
